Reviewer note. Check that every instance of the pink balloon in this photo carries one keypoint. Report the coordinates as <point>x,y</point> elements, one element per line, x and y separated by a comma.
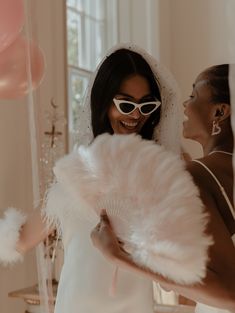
<point>11,21</point>
<point>15,76</point>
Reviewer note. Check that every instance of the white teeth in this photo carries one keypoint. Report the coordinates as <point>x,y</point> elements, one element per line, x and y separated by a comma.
<point>185,118</point>
<point>129,124</point>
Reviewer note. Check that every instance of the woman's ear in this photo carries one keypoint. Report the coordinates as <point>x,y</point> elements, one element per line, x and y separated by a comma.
<point>222,111</point>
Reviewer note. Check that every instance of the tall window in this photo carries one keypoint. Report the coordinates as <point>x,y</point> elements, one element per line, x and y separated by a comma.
<point>91,30</point>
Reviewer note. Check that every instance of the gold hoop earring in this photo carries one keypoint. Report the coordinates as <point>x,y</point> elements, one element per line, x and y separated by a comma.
<point>216,129</point>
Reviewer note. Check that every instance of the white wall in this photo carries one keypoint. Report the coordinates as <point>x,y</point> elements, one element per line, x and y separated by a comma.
<point>200,37</point>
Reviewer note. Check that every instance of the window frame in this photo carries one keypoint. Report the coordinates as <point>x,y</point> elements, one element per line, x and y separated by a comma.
<point>110,37</point>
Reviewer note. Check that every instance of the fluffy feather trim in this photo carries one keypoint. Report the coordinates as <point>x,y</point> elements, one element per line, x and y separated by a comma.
<point>150,198</point>
<point>62,210</point>
<point>10,226</point>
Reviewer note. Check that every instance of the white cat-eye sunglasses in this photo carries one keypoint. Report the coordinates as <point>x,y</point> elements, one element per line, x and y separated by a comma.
<point>127,107</point>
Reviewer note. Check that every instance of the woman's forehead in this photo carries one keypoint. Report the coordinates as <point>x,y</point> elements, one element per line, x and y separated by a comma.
<point>202,81</point>
<point>202,86</point>
<point>202,76</point>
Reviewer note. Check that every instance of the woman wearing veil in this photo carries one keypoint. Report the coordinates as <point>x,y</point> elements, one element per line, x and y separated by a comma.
<point>130,93</point>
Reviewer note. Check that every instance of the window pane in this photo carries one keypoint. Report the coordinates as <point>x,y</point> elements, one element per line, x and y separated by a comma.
<point>94,43</point>
<point>76,4</point>
<point>77,86</point>
<point>86,34</point>
<point>88,7</point>
<point>80,5</point>
<point>87,42</point>
<point>74,37</point>
<point>95,8</point>
<point>101,44</point>
<point>72,3</point>
<point>100,9</point>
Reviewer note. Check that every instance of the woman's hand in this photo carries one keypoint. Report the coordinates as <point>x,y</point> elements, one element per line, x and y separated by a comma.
<point>104,239</point>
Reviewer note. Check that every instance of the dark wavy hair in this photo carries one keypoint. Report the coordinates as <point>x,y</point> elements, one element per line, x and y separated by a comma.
<point>113,71</point>
<point>218,80</point>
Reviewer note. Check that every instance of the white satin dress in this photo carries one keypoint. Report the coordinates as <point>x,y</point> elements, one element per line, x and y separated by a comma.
<point>87,277</point>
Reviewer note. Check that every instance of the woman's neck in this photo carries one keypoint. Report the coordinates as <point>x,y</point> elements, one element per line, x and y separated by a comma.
<point>218,144</point>
<point>222,141</point>
<point>227,147</point>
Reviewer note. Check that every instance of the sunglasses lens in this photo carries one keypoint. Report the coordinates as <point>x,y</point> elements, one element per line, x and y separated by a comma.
<point>126,107</point>
<point>148,108</point>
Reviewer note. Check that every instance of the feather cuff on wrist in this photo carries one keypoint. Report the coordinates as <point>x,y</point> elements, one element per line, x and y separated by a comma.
<point>10,226</point>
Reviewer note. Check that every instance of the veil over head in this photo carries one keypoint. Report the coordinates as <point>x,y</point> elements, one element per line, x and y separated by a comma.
<point>167,131</point>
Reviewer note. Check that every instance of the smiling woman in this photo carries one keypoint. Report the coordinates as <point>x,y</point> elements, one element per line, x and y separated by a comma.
<point>135,88</point>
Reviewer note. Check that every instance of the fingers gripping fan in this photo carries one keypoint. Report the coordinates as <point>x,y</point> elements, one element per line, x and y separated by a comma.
<point>150,198</point>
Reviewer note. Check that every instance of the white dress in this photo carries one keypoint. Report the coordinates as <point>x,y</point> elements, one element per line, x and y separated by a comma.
<point>86,278</point>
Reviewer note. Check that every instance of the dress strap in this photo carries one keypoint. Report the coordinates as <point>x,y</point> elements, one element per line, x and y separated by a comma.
<point>220,186</point>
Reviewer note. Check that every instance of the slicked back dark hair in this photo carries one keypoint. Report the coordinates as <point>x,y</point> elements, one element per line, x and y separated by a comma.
<point>113,71</point>
<point>218,79</point>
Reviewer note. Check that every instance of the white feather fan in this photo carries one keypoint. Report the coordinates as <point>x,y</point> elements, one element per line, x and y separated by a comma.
<point>150,198</point>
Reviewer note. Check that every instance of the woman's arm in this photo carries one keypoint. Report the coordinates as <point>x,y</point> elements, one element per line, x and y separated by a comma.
<point>19,233</point>
<point>32,232</point>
